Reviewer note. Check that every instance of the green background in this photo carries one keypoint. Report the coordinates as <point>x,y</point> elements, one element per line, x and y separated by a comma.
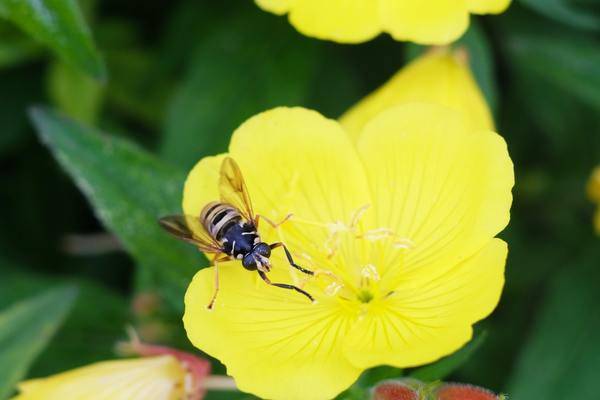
<point>106,105</point>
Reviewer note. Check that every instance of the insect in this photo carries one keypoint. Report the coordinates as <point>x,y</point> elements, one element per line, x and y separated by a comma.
<point>228,229</point>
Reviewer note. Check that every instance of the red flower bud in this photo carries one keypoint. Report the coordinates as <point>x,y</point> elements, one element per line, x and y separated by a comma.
<point>457,391</point>
<point>394,390</point>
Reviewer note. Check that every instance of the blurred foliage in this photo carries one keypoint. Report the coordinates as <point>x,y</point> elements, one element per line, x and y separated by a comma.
<point>60,25</point>
<point>563,351</point>
<point>120,180</point>
<point>25,329</point>
<point>180,76</point>
<point>446,366</point>
<point>81,339</point>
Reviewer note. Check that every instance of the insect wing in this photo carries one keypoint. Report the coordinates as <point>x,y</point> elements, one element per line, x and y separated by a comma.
<point>189,229</point>
<point>233,188</point>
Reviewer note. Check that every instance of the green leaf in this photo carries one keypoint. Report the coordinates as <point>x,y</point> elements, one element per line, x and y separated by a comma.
<point>76,94</point>
<point>252,63</point>
<point>540,73</point>
<point>86,336</point>
<point>447,365</point>
<point>561,359</point>
<point>377,374</point>
<point>20,88</point>
<point>565,121</point>
<point>15,47</point>
<point>336,86</point>
<point>129,189</point>
<point>25,329</point>
<point>566,60</point>
<point>137,88</point>
<point>355,392</point>
<point>566,12</point>
<point>60,25</point>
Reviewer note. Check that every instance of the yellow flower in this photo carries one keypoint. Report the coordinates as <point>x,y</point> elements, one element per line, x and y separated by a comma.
<point>425,22</point>
<point>404,220</point>
<point>441,76</point>
<point>153,378</point>
<point>593,190</point>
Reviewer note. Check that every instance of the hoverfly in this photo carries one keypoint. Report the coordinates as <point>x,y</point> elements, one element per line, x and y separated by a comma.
<point>228,229</point>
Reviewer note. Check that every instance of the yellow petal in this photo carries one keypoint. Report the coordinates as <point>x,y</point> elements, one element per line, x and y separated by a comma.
<point>488,6</point>
<point>441,77</point>
<point>274,342</point>
<point>425,22</point>
<point>278,7</point>
<point>294,161</point>
<point>290,159</point>
<point>444,188</point>
<point>159,378</point>
<point>430,317</point>
<point>201,186</point>
<point>352,21</point>
<point>347,21</point>
<point>593,185</point>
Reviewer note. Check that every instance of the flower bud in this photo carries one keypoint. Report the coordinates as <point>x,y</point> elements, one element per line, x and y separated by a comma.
<point>459,391</point>
<point>398,389</point>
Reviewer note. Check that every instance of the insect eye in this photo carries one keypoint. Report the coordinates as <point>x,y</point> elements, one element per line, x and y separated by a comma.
<point>263,249</point>
<point>249,262</point>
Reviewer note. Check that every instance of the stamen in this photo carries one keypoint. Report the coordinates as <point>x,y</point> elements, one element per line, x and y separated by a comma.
<point>337,227</point>
<point>403,243</point>
<point>333,288</point>
<point>377,234</point>
<point>306,257</point>
<point>358,214</point>
<point>370,272</point>
<point>374,235</point>
<point>332,244</point>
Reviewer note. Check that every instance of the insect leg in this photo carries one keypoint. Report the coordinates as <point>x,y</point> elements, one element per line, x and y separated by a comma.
<point>270,222</point>
<point>290,259</point>
<point>284,285</point>
<point>215,263</point>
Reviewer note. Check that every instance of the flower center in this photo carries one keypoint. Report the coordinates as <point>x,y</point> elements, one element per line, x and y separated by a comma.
<point>354,264</point>
<point>365,296</point>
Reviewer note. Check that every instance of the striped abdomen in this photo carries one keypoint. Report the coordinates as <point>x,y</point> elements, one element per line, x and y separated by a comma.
<point>217,218</point>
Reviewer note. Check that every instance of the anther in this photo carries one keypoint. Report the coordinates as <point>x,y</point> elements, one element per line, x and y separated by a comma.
<point>333,288</point>
<point>357,216</point>
<point>403,243</point>
<point>370,272</point>
<point>374,235</point>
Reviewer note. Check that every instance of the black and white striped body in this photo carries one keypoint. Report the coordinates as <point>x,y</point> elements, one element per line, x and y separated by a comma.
<point>225,224</point>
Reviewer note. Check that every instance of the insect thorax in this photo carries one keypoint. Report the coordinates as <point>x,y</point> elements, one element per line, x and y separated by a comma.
<point>239,239</point>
